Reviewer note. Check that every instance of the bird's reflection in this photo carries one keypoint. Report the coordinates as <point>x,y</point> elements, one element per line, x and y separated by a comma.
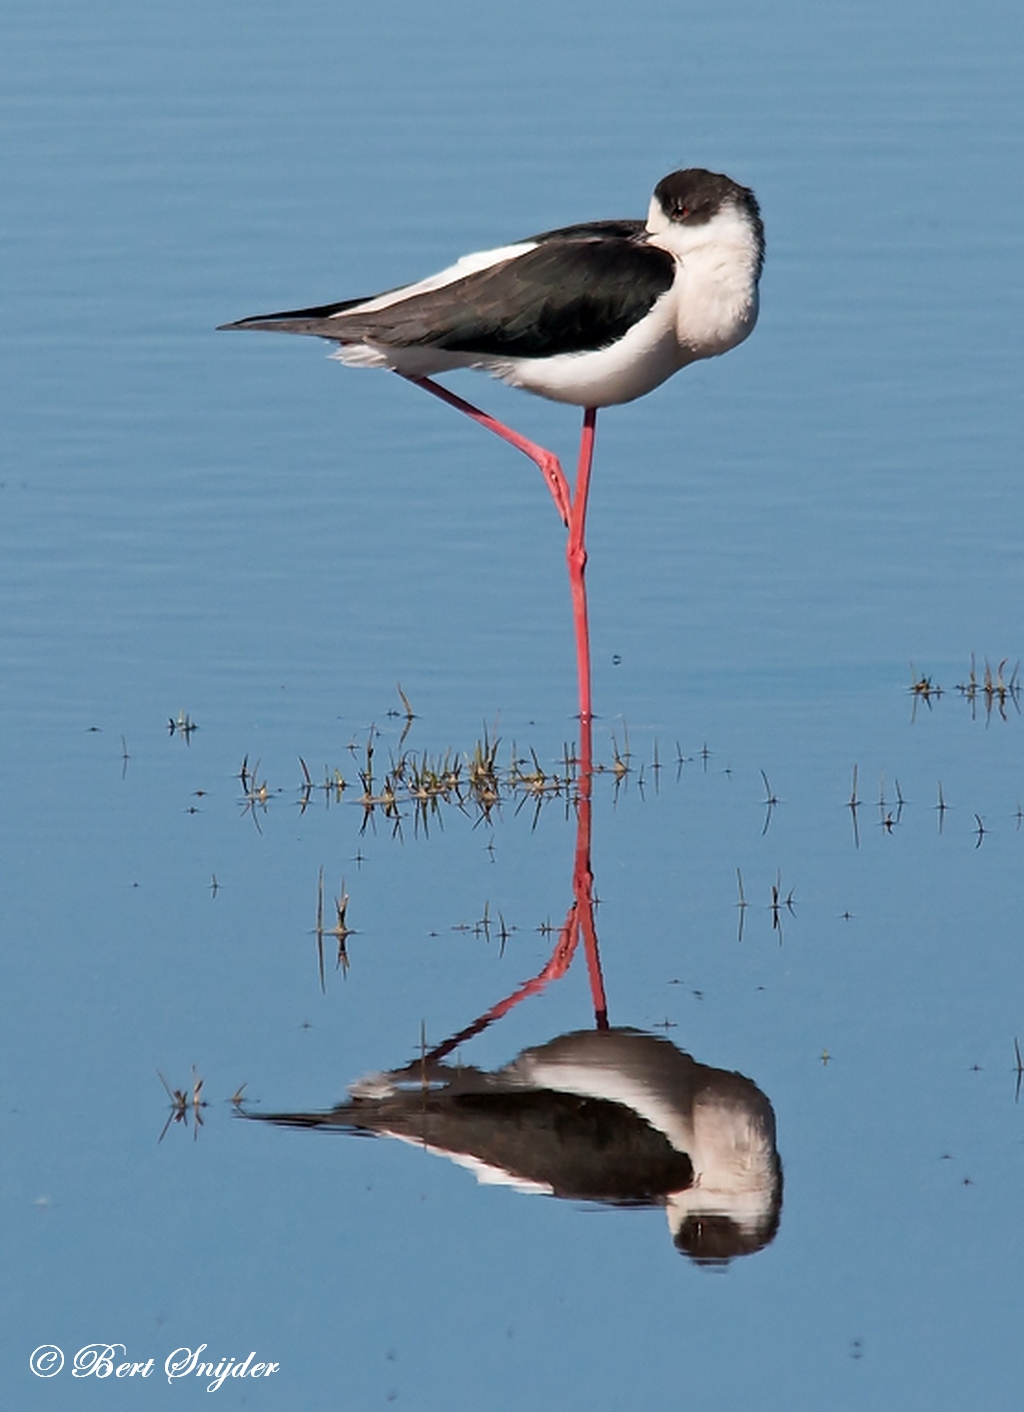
<point>609,1115</point>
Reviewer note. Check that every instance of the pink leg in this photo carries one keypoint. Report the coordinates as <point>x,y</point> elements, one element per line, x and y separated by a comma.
<point>579,922</point>
<point>576,556</point>
<point>583,883</point>
<point>573,511</point>
<point>549,465</point>
<point>556,967</point>
<point>583,877</point>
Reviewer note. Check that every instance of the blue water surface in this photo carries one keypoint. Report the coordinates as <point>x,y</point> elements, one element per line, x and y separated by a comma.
<point>233,533</point>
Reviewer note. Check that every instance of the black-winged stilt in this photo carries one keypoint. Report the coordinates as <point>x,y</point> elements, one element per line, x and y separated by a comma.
<point>613,1116</point>
<point>592,314</point>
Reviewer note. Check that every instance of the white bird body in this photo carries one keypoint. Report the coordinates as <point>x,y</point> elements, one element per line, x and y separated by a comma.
<point>593,314</point>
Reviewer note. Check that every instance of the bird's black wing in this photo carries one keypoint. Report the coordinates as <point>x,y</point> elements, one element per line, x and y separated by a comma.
<point>297,320</point>
<point>578,290</point>
<point>588,1149</point>
<point>591,230</point>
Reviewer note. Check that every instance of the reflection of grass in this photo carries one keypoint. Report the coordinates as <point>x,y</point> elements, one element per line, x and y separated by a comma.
<point>184,1103</point>
<point>994,690</point>
<point>989,693</point>
<point>341,931</point>
<point>780,902</point>
<point>420,785</point>
<point>182,725</point>
<point>255,793</point>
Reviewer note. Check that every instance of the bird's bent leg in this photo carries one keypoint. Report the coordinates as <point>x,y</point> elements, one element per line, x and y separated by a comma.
<point>547,462</point>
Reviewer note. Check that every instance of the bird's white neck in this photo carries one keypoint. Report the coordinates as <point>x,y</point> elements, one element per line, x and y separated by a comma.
<point>720,264</point>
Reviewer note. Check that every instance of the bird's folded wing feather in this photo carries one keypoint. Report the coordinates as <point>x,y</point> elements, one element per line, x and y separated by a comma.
<point>574,293</point>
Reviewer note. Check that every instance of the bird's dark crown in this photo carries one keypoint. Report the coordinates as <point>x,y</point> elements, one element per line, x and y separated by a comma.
<point>694,196</point>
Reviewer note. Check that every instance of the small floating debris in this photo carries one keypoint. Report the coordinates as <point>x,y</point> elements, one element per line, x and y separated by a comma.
<point>182,725</point>
<point>184,1104</point>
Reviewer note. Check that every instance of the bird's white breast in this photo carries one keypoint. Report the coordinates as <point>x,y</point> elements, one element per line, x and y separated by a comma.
<point>634,365</point>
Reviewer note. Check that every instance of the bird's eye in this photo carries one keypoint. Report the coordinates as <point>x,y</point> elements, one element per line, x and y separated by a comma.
<point>682,212</point>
